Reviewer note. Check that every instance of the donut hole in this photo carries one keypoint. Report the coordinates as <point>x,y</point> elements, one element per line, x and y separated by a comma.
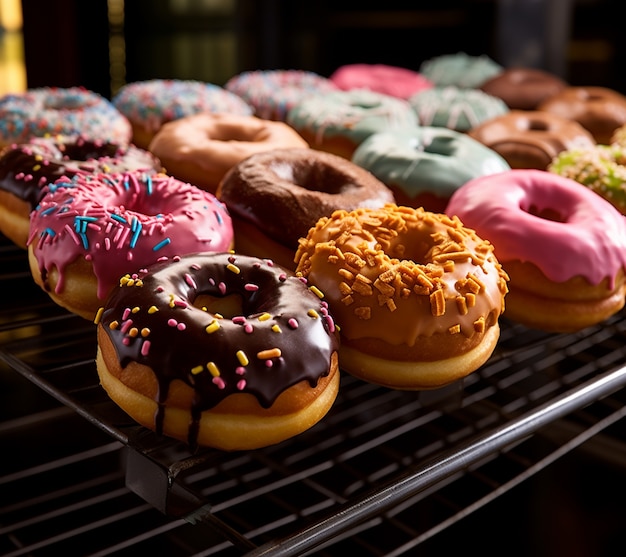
<point>546,213</point>
<point>227,306</point>
<point>64,101</point>
<point>315,177</point>
<point>440,145</point>
<point>537,125</point>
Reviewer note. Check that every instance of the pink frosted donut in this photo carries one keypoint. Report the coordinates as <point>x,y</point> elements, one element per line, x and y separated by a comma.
<point>90,230</point>
<point>563,246</point>
<point>389,80</point>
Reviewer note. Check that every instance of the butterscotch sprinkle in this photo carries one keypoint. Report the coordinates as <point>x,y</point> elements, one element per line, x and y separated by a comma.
<point>470,299</point>
<point>347,300</point>
<point>437,303</point>
<point>362,288</point>
<point>354,261</point>
<point>269,354</point>
<point>448,266</point>
<point>383,288</point>
<point>345,274</point>
<point>133,332</point>
<point>479,325</point>
<point>345,288</point>
<point>363,312</point>
<point>476,280</point>
<point>391,305</point>
<point>461,305</point>
<point>455,329</point>
<point>114,325</point>
<point>145,332</point>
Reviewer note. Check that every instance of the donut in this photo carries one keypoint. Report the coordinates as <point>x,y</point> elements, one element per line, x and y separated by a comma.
<point>276,196</point>
<point>599,110</point>
<point>340,121</point>
<point>563,246</point>
<point>456,108</point>
<point>523,88</point>
<point>619,136</point>
<point>219,350</point>
<point>202,147</point>
<point>389,80</point>
<point>89,230</point>
<point>459,70</point>
<point>272,93</point>
<point>417,295</point>
<point>600,168</point>
<point>531,138</point>
<point>26,168</point>
<point>45,111</point>
<point>150,104</point>
<point>424,166</point>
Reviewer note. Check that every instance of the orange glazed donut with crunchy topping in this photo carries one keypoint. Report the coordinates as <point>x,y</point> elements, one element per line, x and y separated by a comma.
<point>417,295</point>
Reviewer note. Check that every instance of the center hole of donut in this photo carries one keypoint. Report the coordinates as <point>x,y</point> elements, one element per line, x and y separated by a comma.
<point>65,102</point>
<point>314,177</point>
<point>226,306</point>
<point>537,125</point>
<point>546,214</point>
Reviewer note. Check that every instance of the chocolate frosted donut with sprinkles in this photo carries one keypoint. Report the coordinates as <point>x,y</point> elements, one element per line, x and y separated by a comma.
<point>89,230</point>
<point>27,168</point>
<point>219,350</point>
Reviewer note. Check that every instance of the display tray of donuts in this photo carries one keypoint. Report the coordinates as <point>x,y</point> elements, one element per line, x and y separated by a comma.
<point>236,250</point>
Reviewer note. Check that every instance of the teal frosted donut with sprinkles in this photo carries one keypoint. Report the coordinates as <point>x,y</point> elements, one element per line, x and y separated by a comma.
<point>219,350</point>
<point>46,111</point>
<point>89,230</point>
<point>150,104</point>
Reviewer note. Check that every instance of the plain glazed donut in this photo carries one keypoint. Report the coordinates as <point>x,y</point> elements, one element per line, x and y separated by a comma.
<point>523,88</point>
<point>417,294</point>
<point>423,167</point>
<point>26,169</point>
<point>88,231</point>
<point>601,168</point>
<point>599,110</point>
<point>47,111</point>
<point>563,246</point>
<point>531,139</point>
<point>272,93</point>
<point>456,108</point>
<point>389,80</point>
<point>460,70</point>
<point>150,104</point>
<point>219,350</point>
<point>340,121</point>
<point>276,196</point>
<point>200,149</point>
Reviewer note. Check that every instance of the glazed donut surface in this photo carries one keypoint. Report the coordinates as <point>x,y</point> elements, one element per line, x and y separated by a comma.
<point>88,231</point>
<point>417,294</point>
<point>40,112</point>
<point>200,149</point>
<point>230,351</point>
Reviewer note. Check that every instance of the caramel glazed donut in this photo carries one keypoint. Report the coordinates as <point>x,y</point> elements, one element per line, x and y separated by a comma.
<point>417,294</point>
<point>219,350</point>
<point>26,169</point>
<point>276,196</point>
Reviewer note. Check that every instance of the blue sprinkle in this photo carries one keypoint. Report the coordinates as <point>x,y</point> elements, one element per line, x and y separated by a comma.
<point>161,244</point>
<point>48,211</point>
<point>149,184</point>
<point>137,226</point>
<point>218,217</point>
<point>49,232</point>
<point>126,183</point>
<point>118,218</point>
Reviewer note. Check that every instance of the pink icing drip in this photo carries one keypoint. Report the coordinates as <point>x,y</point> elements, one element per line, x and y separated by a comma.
<point>590,243</point>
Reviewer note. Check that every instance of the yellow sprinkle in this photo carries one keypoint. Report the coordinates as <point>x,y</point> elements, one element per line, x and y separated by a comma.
<point>145,332</point>
<point>135,309</point>
<point>219,316</point>
<point>114,325</point>
<point>313,313</point>
<point>316,291</point>
<point>213,326</point>
<point>98,316</point>
<point>124,280</point>
<point>129,282</point>
<point>37,167</point>
<point>264,317</point>
<point>213,369</point>
<point>243,359</point>
<point>196,370</point>
<point>134,331</point>
<point>152,309</point>
<point>233,268</point>
<point>172,298</point>
<point>270,353</point>
<point>276,328</point>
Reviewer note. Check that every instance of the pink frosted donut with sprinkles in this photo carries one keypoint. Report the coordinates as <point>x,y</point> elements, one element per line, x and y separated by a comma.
<point>46,111</point>
<point>89,230</point>
<point>272,93</point>
<point>220,350</point>
<point>150,104</point>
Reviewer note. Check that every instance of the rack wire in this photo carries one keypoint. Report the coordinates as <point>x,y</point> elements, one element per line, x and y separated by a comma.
<point>384,472</point>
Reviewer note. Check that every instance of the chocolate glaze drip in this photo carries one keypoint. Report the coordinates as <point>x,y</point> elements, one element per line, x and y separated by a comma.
<point>278,311</point>
<point>26,169</point>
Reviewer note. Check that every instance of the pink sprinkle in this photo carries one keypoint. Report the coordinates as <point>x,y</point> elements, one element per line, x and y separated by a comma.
<point>126,325</point>
<point>222,287</point>
<point>180,303</point>
<point>241,385</point>
<point>231,259</point>
<point>172,322</point>
<point>248,328</point>
<point>42,181</point>
<point>125,341</point>
<point>293,323</point>
<point>181,326</point>
<point>269,363</point>
<point>219,382</point>
<point>28,178</point>
<point>303,279</point>
<point>239,320</point>
<point>189,280</point>
<point>330,323</point>
<point>19,176</point>
<point>282,277</point>
<point>145,348</point>
<point>240,370</point>
<point>126,314</point>
<point>212,282</point>
<point>160,289</point>
<point>195,267</point>
<point>269,262</point>
<point>251,287</point>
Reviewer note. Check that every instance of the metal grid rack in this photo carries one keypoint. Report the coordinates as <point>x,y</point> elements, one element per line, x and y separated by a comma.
<point>381,474</point>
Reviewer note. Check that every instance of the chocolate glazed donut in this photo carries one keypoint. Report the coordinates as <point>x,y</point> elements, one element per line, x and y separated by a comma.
<point>283,193</point>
